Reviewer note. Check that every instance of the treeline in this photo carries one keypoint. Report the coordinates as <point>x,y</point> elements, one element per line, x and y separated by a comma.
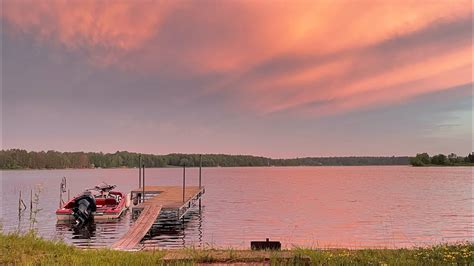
<point>22,159</point>
<point>424,159</point>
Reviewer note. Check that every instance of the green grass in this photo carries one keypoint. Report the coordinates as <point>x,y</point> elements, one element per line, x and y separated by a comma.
<point>457,254</point>
<point>31,250</point>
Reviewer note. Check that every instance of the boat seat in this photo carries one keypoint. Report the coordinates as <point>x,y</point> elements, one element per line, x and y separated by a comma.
<point>110,201</point>
<point>106,202</point>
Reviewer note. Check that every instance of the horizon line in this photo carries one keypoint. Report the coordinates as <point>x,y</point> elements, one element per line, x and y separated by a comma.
<point>228,154</point>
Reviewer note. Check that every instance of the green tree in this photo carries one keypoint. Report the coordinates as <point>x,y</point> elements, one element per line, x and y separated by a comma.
<point>470,157</point>
<point>424,157</point>
<point>184,161</point>
<point>420,159</point>
<point>415,161</point>
<point>452,158</point>
<point>440,159</point>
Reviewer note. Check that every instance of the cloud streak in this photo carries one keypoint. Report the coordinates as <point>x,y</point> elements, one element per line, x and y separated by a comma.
<point>311,58</point>
<point>433,58</point>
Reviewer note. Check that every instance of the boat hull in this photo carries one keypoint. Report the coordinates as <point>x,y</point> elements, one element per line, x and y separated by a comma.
<point>97,216</point>
<point>107,209</point>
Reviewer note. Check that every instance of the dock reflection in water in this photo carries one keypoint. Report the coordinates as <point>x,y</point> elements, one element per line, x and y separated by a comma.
<point>171,233</point>
<point>167,232</point>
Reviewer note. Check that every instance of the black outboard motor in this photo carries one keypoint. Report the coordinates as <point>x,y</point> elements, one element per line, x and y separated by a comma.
<point>84,207</point>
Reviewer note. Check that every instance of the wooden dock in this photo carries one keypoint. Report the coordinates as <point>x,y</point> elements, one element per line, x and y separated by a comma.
<point>139,229</point>
<point>148,208</point>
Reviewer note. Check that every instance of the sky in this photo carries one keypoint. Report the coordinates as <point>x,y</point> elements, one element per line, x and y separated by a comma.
<point>273,78</point>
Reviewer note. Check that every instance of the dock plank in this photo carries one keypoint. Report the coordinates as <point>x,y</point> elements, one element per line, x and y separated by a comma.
<point>139,228</point>
<point>169,196</point>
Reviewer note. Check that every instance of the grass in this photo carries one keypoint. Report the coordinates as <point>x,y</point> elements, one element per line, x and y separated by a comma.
<point>457,254</point>
<point>29,249</point>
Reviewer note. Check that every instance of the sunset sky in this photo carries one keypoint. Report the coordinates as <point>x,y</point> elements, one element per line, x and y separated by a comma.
<point>272,78</point>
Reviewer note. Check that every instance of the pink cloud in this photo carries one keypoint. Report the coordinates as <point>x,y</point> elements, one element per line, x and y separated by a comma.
<point>235,38</point>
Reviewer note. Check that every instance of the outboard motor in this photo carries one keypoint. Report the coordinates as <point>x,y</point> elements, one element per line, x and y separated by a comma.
<point>84,207</point>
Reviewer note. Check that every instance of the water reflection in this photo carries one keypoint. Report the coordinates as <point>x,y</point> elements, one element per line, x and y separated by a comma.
<point>84,232</point>
<point>351,207</point>
<point>176,233</point>
<point>87,231</point>
<point>92,234</point>
<point>167,232</point>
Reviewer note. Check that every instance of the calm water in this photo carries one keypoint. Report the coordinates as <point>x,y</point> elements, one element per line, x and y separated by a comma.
<point>355,207</point>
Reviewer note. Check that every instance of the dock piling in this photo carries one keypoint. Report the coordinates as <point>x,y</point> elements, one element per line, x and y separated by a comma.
<point>139,171</point>
<point>143,183</point>
<point>60,195</point>
<point>31,200</point>
<point>62,189</point>
<point>184,180</point>
<point>21,204</point>
<point>200,166</point>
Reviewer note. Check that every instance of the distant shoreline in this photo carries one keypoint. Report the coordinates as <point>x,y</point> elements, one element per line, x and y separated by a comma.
<point>299,166</point>
<point>271,166</point>
<point>16,159</point>
<point>438,165</point>
<point>22,159</point>
<point>424,159</point>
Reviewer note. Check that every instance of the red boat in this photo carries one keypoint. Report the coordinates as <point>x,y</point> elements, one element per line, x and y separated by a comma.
<point>105,205</point>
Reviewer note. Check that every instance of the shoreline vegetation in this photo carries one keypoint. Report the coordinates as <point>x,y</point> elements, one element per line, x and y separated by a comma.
<point>30,249</point>
<point>22,159</point>
<point>17,159</point>
<point>424,159</point>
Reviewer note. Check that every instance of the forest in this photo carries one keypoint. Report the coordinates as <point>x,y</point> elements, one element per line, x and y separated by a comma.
<point>22,159</point>
<point>424,159</point>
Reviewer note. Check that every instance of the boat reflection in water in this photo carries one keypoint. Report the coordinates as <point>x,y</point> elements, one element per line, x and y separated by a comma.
<point>84,232</point>
<point>92,234</point>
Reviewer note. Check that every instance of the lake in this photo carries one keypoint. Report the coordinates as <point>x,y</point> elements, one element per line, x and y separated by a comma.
<point>319,207</point>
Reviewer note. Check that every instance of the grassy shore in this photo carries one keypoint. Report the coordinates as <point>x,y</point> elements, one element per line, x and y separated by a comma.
<point>31,250</point>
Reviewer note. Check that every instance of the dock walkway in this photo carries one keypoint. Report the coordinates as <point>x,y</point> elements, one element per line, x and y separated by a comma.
<point>157,199</point>
<point>139,229</point>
